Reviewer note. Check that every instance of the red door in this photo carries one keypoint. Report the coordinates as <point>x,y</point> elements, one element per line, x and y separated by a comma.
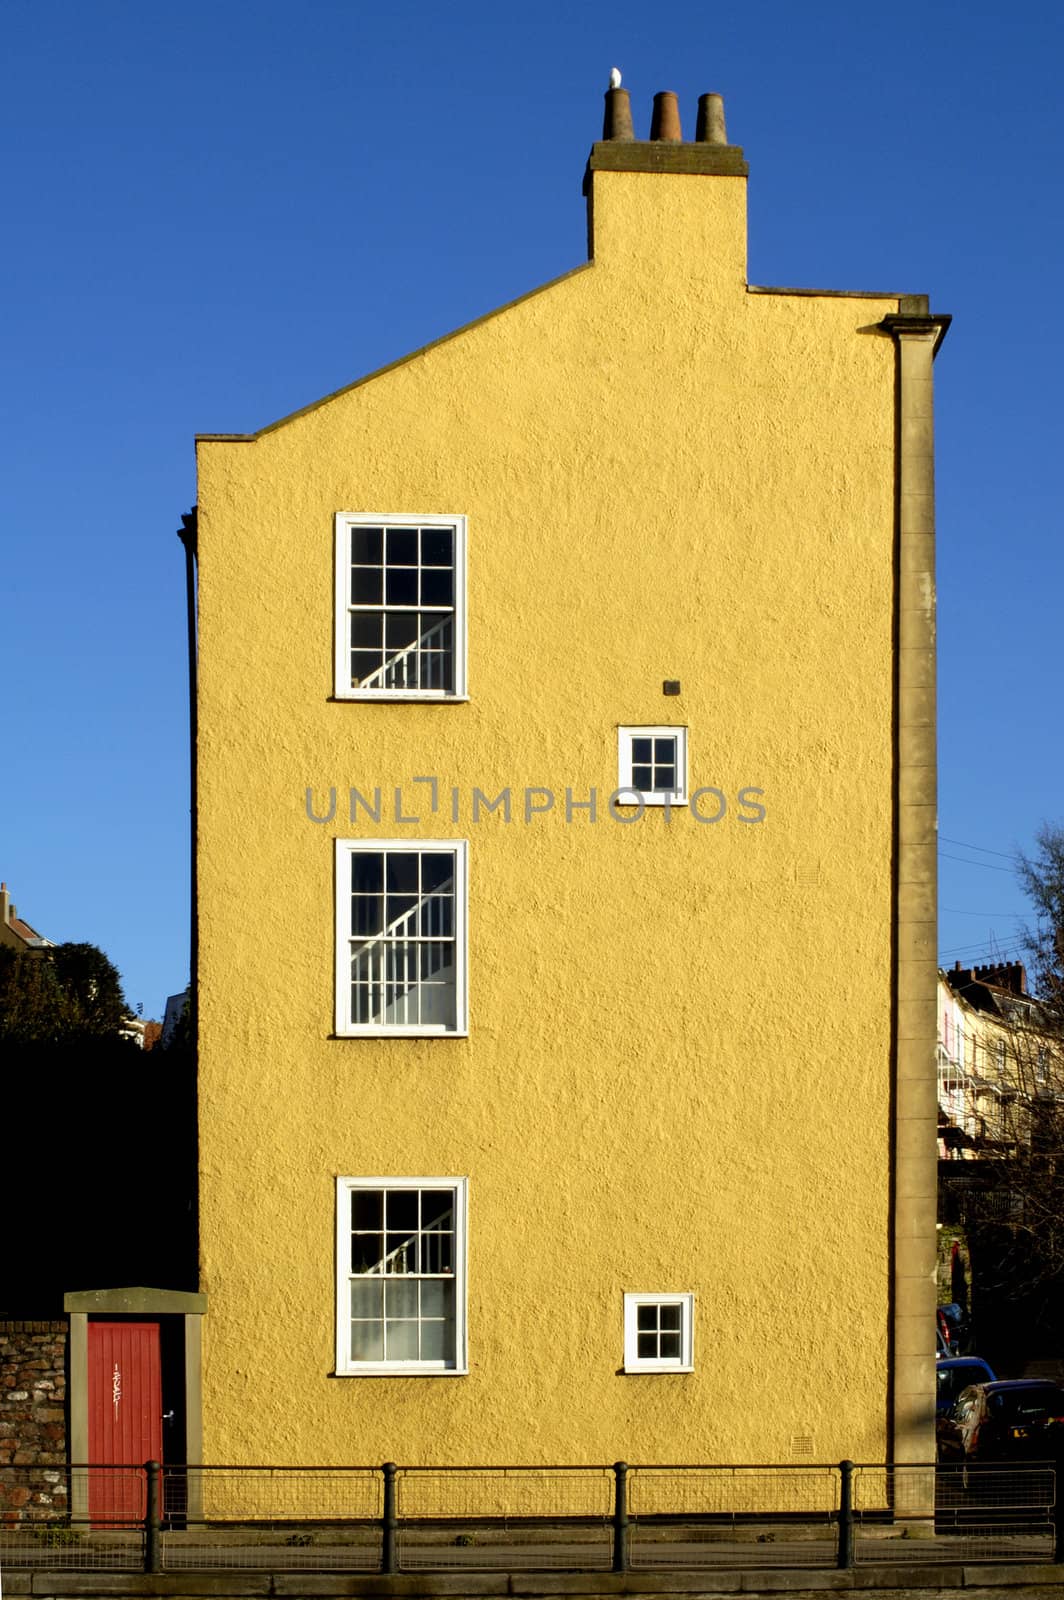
<point>125,1416</point>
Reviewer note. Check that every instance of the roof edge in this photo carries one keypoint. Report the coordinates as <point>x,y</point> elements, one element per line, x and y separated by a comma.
<point>392,366</point>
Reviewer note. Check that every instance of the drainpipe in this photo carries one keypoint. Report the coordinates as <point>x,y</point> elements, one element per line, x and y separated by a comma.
<point>187,534</point>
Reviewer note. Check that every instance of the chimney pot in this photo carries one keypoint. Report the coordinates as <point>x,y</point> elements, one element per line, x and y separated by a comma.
<point>617,123</point>
<point>710,128</point>
<point>665,122</point>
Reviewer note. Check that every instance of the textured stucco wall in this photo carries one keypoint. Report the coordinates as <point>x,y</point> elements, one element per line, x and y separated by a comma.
<point>678,1069</point>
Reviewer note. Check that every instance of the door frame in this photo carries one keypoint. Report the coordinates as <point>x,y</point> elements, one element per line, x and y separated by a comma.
<point>148,1304</point>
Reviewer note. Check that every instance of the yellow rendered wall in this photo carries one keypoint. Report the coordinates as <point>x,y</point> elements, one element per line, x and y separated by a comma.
<point>677,1073</point>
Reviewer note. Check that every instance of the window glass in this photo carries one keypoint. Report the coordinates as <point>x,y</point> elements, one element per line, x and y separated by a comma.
<point>400,600</point>
<point>653,761</point>
<point>399,1265</point>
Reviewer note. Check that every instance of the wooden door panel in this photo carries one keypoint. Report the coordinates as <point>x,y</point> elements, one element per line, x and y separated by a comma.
<point>125,1416</point>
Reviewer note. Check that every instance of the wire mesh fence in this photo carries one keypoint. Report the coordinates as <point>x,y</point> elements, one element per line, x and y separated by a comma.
<point>505,1518</point>
<point>988,1511</point>
<point>581,1519</point>
<point>306,1519</point>
<point>736,1516</point>
<point>44,1520</point>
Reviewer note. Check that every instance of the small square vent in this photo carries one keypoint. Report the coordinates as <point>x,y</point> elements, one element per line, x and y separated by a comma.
<point>802,1447</point>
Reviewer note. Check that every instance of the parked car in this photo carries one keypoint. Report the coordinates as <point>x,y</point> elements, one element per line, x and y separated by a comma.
<point>955,1373</point>
<point>952,1330</point>
<point>1007,1420</point>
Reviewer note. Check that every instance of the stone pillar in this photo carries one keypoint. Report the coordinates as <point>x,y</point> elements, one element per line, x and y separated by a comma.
<point>915,1174</point>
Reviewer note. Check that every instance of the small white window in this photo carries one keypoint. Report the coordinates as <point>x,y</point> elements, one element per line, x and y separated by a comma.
<point>659,1332</point>
<point>653,762</point>
<point>401,937</point>
<point>400,607</point>
<point>401,1275</point>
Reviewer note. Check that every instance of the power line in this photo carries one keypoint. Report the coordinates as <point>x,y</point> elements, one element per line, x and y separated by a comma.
<point>987,866</point>
<point>1007,855</point>
<point>955,911</point>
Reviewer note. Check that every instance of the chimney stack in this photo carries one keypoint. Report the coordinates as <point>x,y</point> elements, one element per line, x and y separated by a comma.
<point>617,123</point>
<point>710,129</point>
<point>621,150</point>
<point>665,121</point>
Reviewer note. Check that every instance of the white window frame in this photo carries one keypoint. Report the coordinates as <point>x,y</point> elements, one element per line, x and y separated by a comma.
<point>345,1026</point>
<point>633,1362</point>
<point>625,763</point>
<point>345,1366</point>
<point>345,521</point>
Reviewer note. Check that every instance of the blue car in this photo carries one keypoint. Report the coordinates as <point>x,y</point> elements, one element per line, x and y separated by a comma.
<point>954,1373</point>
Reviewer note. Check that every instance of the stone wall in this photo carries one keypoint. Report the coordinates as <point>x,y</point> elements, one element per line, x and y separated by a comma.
<point>33,1414</point>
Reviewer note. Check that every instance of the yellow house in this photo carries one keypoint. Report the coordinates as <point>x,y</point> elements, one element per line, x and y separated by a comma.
<point>566,872</point>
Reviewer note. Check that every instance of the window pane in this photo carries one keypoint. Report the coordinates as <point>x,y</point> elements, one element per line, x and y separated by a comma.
<point>646,1316</point>
<point>437,1297</point>
<point>367,1209</point>
<point>400,630</point>
<point>668,1317</point>
<point>439,1007</point>
<point>401,1339</point>
<point>401,547</point>
<point>665,750</point>
<point>401,871</point>
<point>670,1346</point>
<point>367,871</point>
<point>437,870</point>
<point>437,1341</point>
<point>367,631</point>
<point>401,1298</point>
<point>403,1209</point>
<point>642,777</point>
<point>366,963</point>
<point>400,1252</point>
<point>437,1252</point>
<point>435,958</point>
<point>367,586</point>
<point>437,1208</point>
<point>642,749</point>
<point>366,1301</point>
<point>665,778</point>
<point>366,1252</point>
<point>364,1007</point>
<point>367,1341</point>
<point>365,914</point>
<point>367,545</point>
<point>437,587</point>
<point>398,905</point>
<point>646,1346</point>
<point>365,664</point>
<point>437,545</point>
<point>400,588</point>
<point>437,917</point>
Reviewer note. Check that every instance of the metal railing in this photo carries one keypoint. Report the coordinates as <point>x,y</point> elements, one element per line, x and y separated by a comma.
<point>616,1518</point>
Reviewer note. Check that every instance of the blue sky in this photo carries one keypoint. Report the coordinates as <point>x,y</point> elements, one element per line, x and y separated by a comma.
<point>217,213</point>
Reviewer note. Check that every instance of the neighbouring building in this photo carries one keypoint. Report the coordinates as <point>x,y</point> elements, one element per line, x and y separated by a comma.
<point>998,1066</point>
<point>176,1007</point>
<point>17,934</point>
<point>565,847</point>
